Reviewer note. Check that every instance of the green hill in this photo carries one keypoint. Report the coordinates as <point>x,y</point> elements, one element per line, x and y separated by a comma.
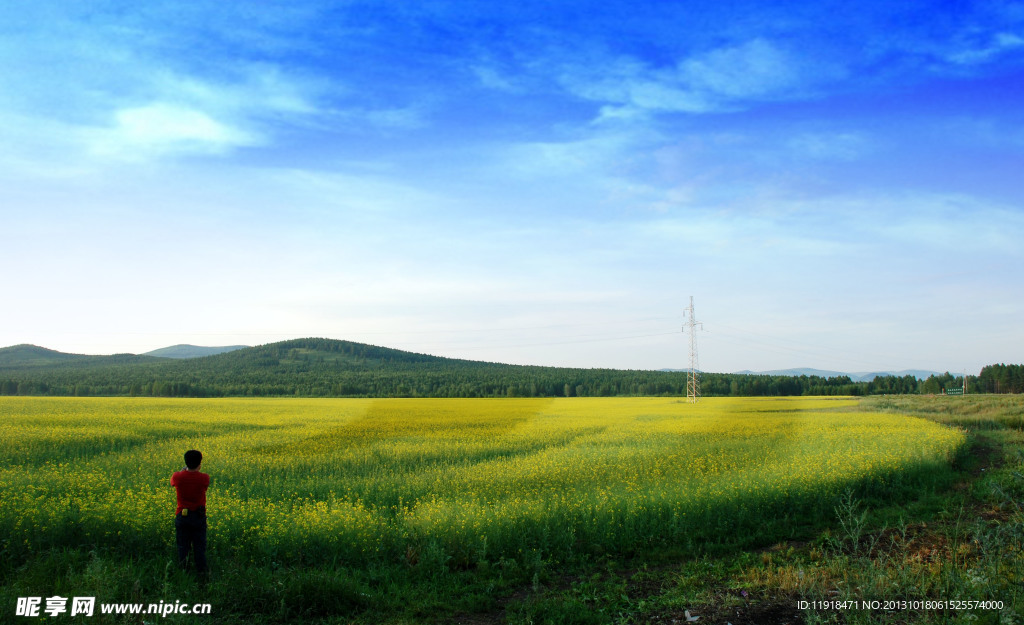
<point>313,367</point>
<point>33,356</point>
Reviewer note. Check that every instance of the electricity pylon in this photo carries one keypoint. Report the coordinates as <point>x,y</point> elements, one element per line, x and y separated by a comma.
<point>693,378</point>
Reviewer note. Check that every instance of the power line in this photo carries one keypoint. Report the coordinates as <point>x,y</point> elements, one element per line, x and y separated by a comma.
<point>590,340</point>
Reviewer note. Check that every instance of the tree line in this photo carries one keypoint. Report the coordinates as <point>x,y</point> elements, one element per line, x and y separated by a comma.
<point>998,379</point>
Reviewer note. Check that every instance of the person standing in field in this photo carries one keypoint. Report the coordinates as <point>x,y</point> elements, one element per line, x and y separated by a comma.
<point>190,517</point>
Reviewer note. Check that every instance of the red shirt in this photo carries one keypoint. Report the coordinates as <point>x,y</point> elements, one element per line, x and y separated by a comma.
<point>190,487</point>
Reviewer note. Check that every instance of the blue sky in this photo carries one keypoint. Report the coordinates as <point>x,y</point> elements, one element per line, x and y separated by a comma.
<point>838,186</point>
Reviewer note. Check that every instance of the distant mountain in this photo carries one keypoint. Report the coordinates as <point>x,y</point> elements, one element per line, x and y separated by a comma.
<point>34,356</point>
<point>795,372</point>
<point>856,377</point>
<point>294,355</point>
<point>192,351</point>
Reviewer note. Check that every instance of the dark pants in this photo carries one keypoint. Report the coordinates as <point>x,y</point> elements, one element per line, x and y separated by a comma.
<point>190,533</point>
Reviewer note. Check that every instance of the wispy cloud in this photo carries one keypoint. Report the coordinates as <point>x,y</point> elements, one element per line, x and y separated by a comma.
<point>114,90</point>
<point>194,115</point>
<point>590,155</point>
<point>721,79</point>
<point>168,115</point>
<point>491,77</point>
<point>912,231</point>
<point>752,70</point>
<point>982,52</point>
<point>830,145</point>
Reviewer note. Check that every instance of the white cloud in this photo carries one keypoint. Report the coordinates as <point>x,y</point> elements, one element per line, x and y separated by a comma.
<point>188,114</point>
<point>160,128</point>
<point>100,91</point>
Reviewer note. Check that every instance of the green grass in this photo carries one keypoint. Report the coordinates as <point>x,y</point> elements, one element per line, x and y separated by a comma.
<point>976,412</point>
<point>962,543</point>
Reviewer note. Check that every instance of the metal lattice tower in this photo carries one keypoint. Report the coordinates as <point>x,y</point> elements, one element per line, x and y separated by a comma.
<point>693,378</point>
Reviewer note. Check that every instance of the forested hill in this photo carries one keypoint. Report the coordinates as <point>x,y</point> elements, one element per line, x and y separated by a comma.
<point>31,356</point>
<point>21,357</point>
<point>311,368</point>
<point>331,368</point>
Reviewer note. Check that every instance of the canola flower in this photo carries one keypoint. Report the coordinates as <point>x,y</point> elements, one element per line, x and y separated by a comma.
<point>356,481</point>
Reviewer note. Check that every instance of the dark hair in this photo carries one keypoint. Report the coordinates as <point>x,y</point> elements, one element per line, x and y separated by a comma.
<point>193,459</point>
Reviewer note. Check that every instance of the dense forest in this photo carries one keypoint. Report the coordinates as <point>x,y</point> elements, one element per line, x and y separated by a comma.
<point>332,368</point>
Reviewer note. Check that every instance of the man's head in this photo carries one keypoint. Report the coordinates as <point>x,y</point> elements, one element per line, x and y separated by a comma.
<point>193,459</point>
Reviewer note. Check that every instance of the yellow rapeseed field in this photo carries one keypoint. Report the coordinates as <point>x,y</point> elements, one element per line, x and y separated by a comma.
<point>458,480</point>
